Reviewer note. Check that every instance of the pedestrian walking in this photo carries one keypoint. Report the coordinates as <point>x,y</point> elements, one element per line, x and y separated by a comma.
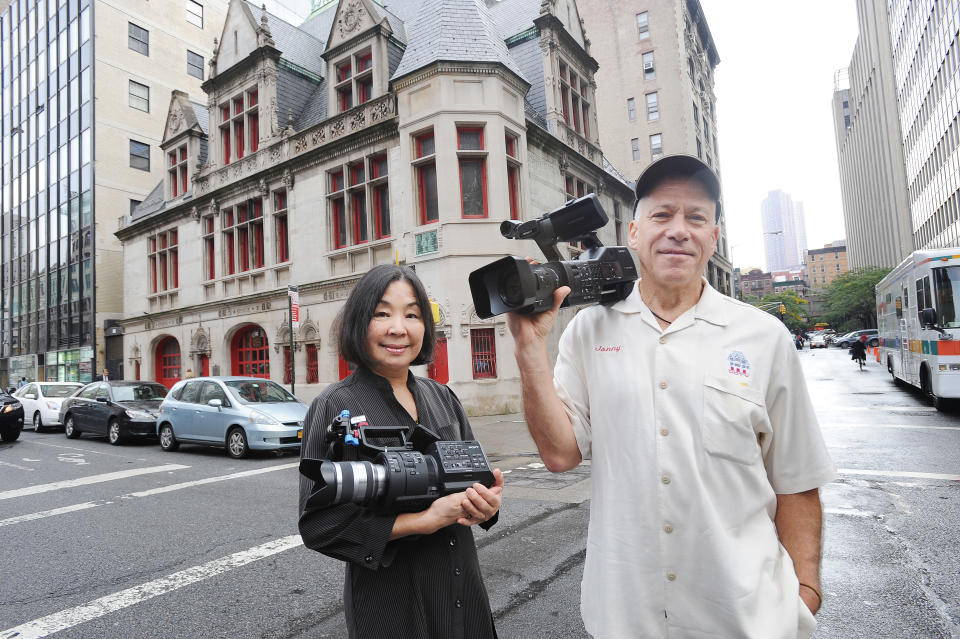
<point>22,383</point>
<point>858,351</point>
<point>412,575</point>
<point>705,516</point>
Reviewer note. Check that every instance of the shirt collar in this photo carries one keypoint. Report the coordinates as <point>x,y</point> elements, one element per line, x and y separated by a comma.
<point>709,308</point>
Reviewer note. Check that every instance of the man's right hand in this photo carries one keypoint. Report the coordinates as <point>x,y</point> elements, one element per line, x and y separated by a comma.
<point>533,328</point>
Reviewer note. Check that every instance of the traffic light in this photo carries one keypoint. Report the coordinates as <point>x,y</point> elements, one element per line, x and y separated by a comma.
<point>783,310</point>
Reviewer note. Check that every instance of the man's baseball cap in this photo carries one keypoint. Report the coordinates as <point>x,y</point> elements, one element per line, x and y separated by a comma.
<point>671,166</point>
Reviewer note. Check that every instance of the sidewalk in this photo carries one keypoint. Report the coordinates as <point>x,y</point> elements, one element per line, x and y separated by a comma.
<point>503,435</point>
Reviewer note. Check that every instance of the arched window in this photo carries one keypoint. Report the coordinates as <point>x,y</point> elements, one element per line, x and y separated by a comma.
<point>249,353</point>
<point>168,362</point>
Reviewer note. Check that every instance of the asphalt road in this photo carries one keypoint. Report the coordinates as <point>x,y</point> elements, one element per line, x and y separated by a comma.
<point>118,542</point>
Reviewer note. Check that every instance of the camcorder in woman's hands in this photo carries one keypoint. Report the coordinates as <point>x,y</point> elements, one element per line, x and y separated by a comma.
<point>404,477</point>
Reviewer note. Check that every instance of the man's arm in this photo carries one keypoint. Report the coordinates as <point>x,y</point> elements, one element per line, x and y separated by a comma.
<point>546,418</point>
<point>799,523</point>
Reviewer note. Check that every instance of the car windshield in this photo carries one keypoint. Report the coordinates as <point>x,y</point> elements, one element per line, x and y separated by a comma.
<point>139,393</point>
<point>52,390</point>
<point>249,392</point>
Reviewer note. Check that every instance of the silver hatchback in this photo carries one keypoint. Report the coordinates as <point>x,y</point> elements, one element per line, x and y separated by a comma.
<point>239,414</point>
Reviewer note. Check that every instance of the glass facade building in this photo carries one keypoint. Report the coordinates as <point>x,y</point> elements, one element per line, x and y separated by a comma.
<point>46,255</point>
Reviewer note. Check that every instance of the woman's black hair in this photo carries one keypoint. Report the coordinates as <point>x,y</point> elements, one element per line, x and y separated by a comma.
<point>350,328</point>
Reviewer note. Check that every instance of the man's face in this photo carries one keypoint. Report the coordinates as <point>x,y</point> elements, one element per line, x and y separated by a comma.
<point>674,233</point>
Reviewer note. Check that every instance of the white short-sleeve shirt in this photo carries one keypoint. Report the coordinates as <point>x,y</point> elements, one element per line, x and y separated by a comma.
<point>692,432</point>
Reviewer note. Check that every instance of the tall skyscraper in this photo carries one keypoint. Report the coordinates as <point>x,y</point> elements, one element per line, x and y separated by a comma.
<point>85,85</point>
<point>655,91</point>
<point>784,231</point>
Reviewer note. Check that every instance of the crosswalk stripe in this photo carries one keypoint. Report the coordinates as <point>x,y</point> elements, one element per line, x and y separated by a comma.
<point>85,481</point>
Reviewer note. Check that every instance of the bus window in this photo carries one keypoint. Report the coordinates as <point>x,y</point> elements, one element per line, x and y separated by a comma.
<point>924,299</point>
<point>946,283</point>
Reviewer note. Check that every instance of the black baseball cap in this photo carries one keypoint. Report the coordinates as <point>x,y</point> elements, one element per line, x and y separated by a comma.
<point>679,166</point>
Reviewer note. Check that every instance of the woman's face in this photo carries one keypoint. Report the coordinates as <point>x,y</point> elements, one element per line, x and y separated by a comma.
<point>395,332</point>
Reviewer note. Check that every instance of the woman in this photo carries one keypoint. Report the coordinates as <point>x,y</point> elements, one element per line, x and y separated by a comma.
<point>412,575</point>
<point>858,350</point>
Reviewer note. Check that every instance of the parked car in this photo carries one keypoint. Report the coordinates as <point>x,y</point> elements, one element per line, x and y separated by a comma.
<point>237,413</point>
<point>41,402</point>
<point>11,417</point>
<point>818,341</point>
<point>873,338</point>
<point>115,409</point>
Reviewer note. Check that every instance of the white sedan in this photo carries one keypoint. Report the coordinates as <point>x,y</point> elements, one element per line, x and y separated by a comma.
<point>41,402</point>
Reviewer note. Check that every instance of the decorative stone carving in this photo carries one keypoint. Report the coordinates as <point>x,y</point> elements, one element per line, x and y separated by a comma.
<point>350,17</point>
<point>200,342</point>
<point>546,7</point>
<point>214,206</point>
<point>381,111</point>
<point>359,120</point>
<point>336,129</point>
<point>195,213</point>
<point>300,144</point>
<point>263,33</point>
<point>176,121</point>
<point>287,179</point>
<point>270,114</point>
<point>563,163</point>
<point>262,187</point>
<point>319,136</point>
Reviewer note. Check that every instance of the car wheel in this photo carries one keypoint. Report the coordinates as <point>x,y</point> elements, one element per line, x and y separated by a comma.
<point>10,435</point>
<point>113,432</point>
<point>237,443</point>
<point>37,423</point>
<point>167,441</point>
<point>69,429</point>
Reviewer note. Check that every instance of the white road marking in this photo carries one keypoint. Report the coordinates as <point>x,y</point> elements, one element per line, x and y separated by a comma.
<point>17,466</point>
<point>903,426</point>
<point>144,493</point>
<point>85,450</point>
<point>84,481</point>
<point>51,513</point>
<point>45,626</point>
<point>849,512</point>
<point>897,473</point>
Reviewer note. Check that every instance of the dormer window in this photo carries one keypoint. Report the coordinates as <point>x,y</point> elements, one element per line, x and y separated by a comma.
<point>573,99</point>
<point>354,80</point>
<point>240,126</point>
<point>177,171</point>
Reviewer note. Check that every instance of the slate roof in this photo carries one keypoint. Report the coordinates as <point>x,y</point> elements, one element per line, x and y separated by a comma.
<point>153,203</point>
<point>453,30</point>
<point>514,16</point>
<point>295,45</point>
<point>314,110</point>
<point>202,115</point>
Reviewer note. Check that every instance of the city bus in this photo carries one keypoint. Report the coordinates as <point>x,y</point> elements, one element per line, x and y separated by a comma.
<point>919,322</point>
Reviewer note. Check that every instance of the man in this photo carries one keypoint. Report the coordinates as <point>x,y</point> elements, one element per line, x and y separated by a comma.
<point>105,377</point>
<point>21,383</point>
<point>706,454</point>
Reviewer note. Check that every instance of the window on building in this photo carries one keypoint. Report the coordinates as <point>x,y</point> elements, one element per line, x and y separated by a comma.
<point>240,125</point>
<point>163,263</point>
<point>139,155</point>
<point>280,225</point>
<point>134,204</point>
<point>138,39</point>
<point>656,145</point>
<point>649,72</point>
<point>472,164</point>
<point>513,175</point>
<point>690,68</point>
<point>653,107</point>
<point>643,26</point>
<point>351,188</point>
<point>425,165</point>
<point>194,13</point>
<point>618,223</point>
<point>696,116</point>
<point>209,256</point>
<point>575,104</point>
<point>177,170</point>
<point>631,109</point>
<point>354,80</point>
<point>699,149</point>
<point>139,96</point>
<point>194,64</point>
<point>483,353</point>
<point>242,226</point>
<point>635,149</point>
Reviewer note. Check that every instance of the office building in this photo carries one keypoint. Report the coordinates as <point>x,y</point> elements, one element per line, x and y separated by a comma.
<point>365,135</point>
<point>784,231</point>
<point>85,85</point>
<point>655,91</point>
<point>826,264</point>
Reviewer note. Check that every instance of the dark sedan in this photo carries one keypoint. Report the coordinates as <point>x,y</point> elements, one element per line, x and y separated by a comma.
<point>11,417</point>
<point>116,409</point>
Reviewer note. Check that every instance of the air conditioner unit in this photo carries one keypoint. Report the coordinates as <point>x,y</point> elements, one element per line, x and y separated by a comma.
<point>648,66</point>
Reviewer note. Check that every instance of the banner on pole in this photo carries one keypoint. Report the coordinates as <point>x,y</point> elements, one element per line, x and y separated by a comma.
<point>294,294</point>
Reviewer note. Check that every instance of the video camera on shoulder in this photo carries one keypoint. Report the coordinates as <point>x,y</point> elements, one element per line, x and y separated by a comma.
<point>406,476</point>
<point>602,274</point>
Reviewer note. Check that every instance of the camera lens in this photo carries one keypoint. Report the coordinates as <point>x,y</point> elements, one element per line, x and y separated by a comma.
<point>511,290</point>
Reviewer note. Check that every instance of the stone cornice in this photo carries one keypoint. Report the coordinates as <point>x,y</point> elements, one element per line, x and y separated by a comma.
<point>551,23</point>
<point>461,68</point>
<point>346,45</point>
<point>224,78</point>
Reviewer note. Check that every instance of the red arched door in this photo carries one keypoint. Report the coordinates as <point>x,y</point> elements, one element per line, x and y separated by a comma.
<point>250,353</point>
<point>168,362</point>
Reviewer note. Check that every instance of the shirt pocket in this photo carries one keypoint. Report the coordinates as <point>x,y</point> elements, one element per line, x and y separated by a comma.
<point>730,413</point>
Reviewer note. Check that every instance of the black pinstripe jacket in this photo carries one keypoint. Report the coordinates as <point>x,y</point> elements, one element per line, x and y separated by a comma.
<point>423,587</point>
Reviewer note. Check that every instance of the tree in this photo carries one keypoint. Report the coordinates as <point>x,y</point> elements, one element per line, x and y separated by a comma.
<point>794,317</point>
<point>851,299</point>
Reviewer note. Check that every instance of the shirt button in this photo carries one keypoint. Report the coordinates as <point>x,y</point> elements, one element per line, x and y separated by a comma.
<point>453,541</point>
<point>663,384</point>
<point>368,558</point>
<point>671,576</point>
<point>668,529</point>
<point>663,340</point>
<point>664,431</point>
<point>458,603</point>
<point>665,479</point>
<point>456,571</point>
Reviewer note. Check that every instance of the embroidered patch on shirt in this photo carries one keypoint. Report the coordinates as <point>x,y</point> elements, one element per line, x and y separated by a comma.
<point>607,349</point>
<point>739,364</point>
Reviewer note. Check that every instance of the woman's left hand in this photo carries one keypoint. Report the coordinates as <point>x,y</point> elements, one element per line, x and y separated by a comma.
<point>482,503</point>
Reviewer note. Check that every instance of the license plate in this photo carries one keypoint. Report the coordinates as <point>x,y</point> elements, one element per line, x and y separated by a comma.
<point>300,434</point>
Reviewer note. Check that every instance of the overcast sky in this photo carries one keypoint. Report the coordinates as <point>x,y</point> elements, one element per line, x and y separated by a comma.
<point>774,85</point>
